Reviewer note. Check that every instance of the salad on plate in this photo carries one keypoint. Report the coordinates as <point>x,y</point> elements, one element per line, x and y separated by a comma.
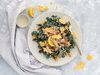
<point>54,37</point>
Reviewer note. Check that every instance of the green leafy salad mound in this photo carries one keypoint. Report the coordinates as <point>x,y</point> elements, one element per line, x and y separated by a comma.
<point>54,37</point>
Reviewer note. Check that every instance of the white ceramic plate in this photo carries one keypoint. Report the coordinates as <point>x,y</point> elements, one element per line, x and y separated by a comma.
<point>34,46</point>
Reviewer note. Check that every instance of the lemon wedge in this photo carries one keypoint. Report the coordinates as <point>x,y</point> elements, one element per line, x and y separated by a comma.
<point>31,11</point>
<point>50,42</point>
<point>42,8</point>
<point>42,43</point>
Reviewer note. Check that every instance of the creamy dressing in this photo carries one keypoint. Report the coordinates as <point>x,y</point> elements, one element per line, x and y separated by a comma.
<point>22,21</point>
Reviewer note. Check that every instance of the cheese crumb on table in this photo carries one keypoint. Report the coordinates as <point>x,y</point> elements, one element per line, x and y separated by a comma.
<point>80,65</point>
<point>89,57</point>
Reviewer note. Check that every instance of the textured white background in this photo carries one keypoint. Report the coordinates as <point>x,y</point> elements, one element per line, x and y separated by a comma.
<point>87,12</point>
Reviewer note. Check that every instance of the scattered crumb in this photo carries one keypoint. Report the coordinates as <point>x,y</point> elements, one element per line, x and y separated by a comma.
<point>80,65</point>
<point>42,8</point>
<point>89,57</point>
